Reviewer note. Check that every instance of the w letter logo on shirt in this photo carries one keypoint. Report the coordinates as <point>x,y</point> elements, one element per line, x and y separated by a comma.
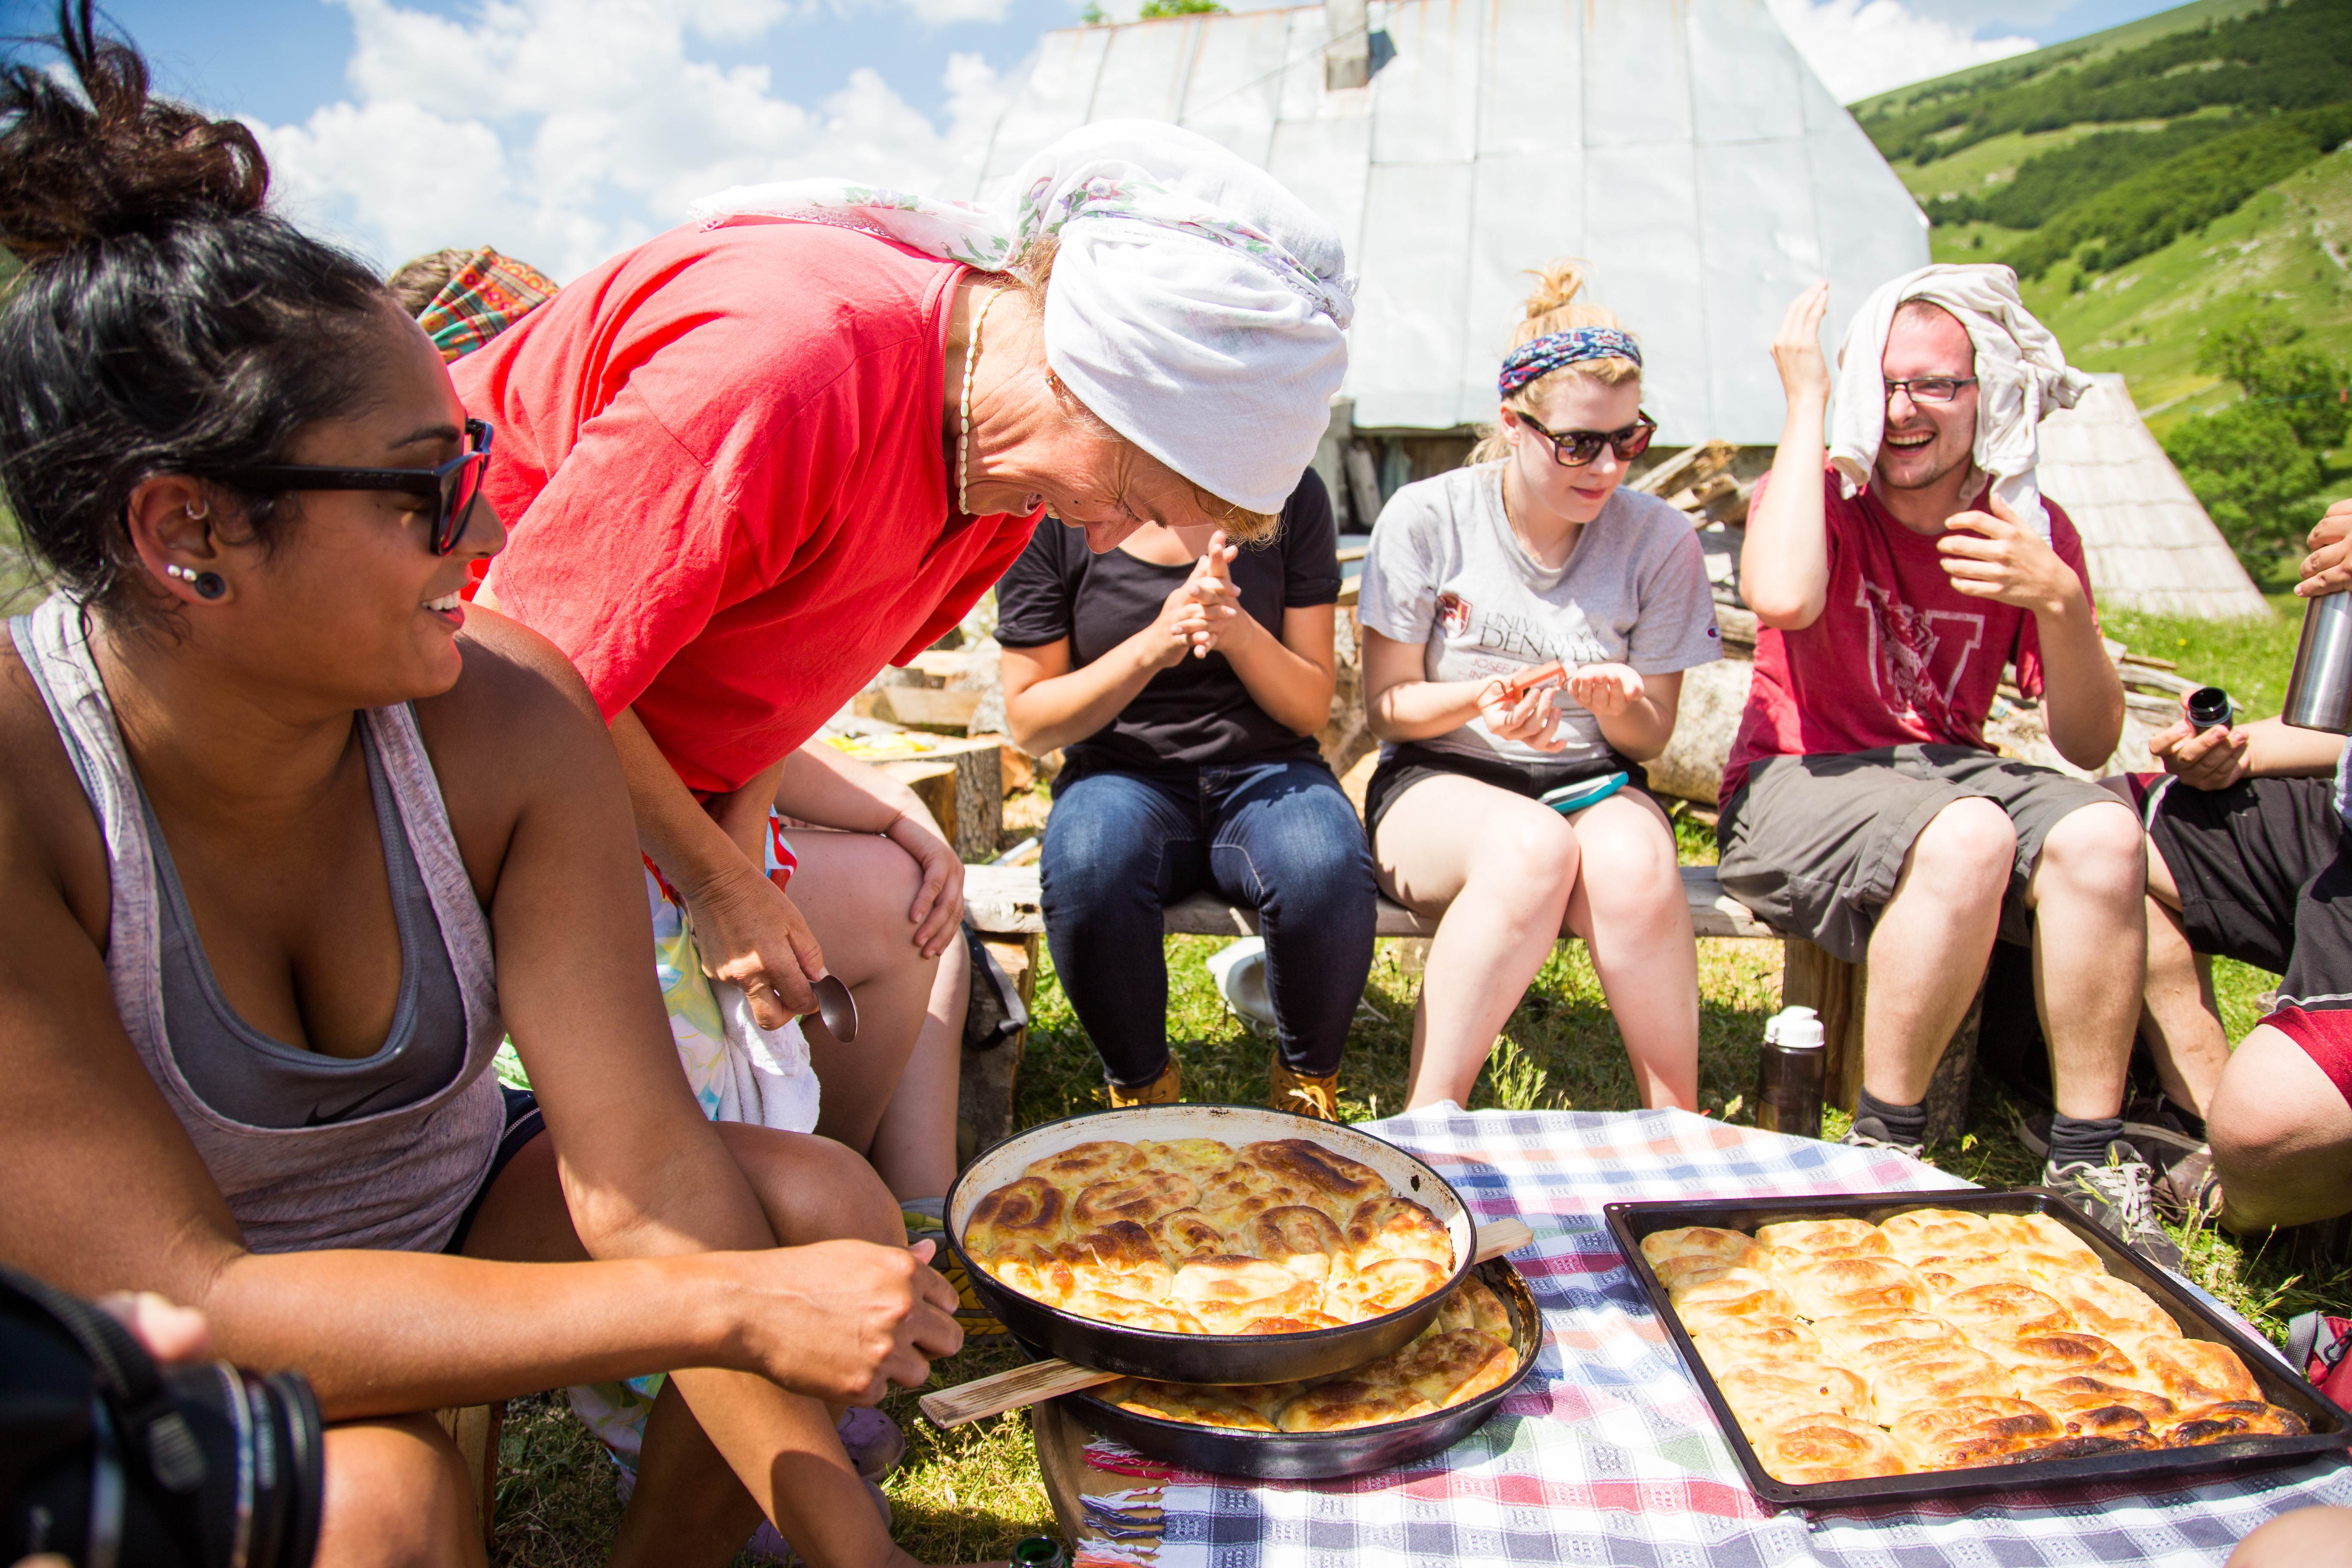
<point>1906,646</point>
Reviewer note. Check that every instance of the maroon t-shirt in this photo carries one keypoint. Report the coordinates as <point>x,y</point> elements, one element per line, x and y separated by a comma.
<point>1898,655</point>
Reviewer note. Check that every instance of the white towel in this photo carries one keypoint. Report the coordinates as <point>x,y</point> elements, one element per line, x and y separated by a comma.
<point>2022,375</point>
<point>768,1080</point>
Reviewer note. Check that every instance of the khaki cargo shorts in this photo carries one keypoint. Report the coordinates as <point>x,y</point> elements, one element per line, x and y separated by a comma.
<point>1813,844</point>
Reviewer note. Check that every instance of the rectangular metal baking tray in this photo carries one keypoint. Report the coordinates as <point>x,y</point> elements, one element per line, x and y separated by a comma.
<point>2331,1428</point>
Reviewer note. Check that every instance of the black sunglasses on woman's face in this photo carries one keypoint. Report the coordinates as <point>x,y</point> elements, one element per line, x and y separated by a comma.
<point>453,485</point>
<point>1574,448</point>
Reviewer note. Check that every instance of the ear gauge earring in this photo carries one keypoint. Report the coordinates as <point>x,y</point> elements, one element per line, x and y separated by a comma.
<point>207,585</point>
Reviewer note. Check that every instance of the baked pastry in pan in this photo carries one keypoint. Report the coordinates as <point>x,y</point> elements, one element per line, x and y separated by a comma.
<point>1190,1235</point>
<point>1466,1350</point>
<point>1943,1339</point>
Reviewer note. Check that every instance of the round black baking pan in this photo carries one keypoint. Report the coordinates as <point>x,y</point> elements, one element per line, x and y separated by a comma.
<point>1318,1456</point>
<point>1205,1358</point>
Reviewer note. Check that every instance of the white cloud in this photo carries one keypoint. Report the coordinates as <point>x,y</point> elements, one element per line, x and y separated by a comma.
<point>562,130</point>
<point>1863,47</point>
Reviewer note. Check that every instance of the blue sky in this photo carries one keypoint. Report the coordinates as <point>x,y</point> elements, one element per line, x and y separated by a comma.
<point>564,130</point>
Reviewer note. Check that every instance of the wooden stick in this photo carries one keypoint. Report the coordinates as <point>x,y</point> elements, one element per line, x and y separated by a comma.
<point>1052,1378</point>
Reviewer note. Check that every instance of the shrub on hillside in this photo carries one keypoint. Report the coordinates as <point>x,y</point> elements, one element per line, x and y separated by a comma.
<point>2288,56</point>
<point>2181,195</point>
<point>2257,350</point>
<point>2251,474</point>
<point>2051,182</point>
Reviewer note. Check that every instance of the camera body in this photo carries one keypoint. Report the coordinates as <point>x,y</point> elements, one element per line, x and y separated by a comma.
<point>112,1461</point>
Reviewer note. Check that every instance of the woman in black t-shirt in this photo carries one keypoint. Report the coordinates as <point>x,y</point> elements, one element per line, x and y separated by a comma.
<point>1184,682</point>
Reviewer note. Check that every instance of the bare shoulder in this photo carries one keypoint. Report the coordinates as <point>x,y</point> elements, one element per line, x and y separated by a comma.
<point>48,832</point>
<point>518,730</point>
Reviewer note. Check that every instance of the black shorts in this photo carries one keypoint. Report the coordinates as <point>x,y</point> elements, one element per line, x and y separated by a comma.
<point>523,1124</point>
<point>2264,878</point>
<point>1407,765</point>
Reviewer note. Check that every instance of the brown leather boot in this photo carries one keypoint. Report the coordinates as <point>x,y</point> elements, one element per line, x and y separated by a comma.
<point>1315,1096</point>
<point>1167,1088</point>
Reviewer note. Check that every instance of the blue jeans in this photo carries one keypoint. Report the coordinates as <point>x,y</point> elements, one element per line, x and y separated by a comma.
<point>1278,838</point>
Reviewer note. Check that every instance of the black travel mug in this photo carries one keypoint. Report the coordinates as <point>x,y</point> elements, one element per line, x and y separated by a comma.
<point>2209,707</point>
<point>1788,1074</point>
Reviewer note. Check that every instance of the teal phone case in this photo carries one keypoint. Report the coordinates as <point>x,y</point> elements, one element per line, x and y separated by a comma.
<point>1583,793</point>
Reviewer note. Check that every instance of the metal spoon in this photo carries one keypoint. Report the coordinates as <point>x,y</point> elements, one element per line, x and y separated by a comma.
<point>837,1007</point>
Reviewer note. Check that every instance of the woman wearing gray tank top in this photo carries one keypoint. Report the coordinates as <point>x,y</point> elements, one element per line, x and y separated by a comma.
<point>273,797</point>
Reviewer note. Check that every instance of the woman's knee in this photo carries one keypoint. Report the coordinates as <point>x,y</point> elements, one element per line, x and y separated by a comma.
<point>397,1493</point>
<point>1110,848</point>
<point>1529,844</point>
<point>814,1189</point>
<point>1631,849</point>
<point>1315,853</point>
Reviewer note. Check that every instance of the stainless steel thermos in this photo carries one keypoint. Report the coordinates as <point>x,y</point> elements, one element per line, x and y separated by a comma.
<point>2319,692</point>
<point>1788,1074</point>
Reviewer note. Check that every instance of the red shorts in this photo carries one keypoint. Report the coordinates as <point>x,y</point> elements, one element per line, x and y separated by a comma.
<point>2325,1037</point>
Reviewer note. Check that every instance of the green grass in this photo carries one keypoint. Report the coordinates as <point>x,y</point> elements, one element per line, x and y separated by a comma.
<point>2249,659</point>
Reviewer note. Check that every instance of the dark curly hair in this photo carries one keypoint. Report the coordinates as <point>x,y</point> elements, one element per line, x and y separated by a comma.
<point>164,322</point>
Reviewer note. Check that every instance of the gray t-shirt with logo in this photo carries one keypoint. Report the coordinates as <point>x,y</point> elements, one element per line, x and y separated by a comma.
<point>1445,571</point>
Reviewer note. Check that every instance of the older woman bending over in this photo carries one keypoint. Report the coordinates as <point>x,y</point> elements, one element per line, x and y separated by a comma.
<point>286,843</point>
<point>755,458</point>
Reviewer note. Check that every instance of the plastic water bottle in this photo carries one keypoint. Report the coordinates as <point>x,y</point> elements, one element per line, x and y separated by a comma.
<point>1789,1073</point>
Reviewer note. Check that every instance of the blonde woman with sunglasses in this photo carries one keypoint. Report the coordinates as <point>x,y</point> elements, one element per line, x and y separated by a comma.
<point>1527,622</point>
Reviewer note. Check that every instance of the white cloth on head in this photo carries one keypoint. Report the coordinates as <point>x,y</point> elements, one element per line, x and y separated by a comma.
<point>2022,375</point>
<point>1197,306</point>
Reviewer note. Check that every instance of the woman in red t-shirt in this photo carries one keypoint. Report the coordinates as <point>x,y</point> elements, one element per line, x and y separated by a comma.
<point>749,462</point>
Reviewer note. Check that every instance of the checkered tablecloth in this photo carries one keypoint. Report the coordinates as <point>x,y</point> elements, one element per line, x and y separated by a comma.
<point>1608,1455</point>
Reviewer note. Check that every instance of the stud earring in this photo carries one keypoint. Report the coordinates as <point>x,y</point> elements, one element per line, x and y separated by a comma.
<point>173,569</point>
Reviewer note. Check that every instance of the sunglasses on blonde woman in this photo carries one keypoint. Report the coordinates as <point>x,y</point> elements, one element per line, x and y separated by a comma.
<point>452,486</point>
<point>1574,448</point>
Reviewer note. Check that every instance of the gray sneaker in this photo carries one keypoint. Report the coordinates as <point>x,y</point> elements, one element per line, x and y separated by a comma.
<point>1869,1132</point>
<point>2119,1198</point>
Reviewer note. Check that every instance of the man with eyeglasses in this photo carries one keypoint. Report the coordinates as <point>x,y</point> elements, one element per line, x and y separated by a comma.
<point>1864,808</point>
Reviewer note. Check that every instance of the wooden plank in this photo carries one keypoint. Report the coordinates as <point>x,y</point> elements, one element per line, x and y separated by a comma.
<point>475,1429</point>
<point>1840,993</point>
<point>1006,899</point>
<point>985,1080</point>
<point>933,779</point>
<point>1069,1480</point>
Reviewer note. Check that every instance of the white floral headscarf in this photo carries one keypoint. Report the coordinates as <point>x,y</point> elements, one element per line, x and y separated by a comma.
<point>1198,306</point>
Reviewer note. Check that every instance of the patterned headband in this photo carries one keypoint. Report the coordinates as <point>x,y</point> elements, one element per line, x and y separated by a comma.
<point>1540,356</point>
<point>490,293</point>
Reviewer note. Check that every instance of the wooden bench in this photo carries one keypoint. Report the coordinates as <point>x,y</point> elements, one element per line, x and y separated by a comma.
<point>1004,900</point>
<point>1003,903</point>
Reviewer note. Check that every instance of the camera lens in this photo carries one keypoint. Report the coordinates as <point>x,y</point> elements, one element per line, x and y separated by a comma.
<point>114,1463</point>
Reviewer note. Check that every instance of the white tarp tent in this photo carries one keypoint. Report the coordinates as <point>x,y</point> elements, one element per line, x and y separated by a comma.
<point>1680,146</point>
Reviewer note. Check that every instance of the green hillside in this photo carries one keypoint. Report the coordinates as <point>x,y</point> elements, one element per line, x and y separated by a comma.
<point>2091,155</point>
<point>2290,246</point>
<point>2087,49</point>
